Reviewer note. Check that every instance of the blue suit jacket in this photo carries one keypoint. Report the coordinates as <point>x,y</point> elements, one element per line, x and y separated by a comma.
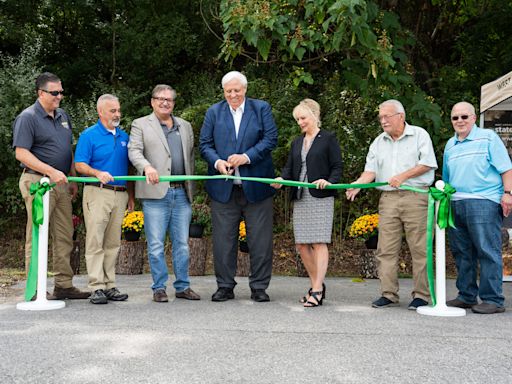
<point>257,137</point>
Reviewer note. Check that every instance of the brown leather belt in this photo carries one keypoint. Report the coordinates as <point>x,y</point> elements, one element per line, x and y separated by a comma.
<point>176,185</point>
<point>32,172</point>
<point>118,188</point>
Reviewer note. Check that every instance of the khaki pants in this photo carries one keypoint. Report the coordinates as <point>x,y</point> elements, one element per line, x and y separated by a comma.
<point>401,211</point>
<point>103,216</point>
<point>61,228</point>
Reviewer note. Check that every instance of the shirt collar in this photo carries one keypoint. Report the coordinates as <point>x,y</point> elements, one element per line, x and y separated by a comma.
<point>241,108</point>
<point>470,136</point>
<point>408,131</point>
<point>175,124</point>
<point>43,113</point>
<point>104,129</point>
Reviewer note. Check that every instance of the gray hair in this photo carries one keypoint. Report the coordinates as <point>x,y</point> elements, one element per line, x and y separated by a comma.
<point>399,108</point>
<point>311,107</point>
<point>163,87</point>
<point>105,97</point>
<point>232,76</point>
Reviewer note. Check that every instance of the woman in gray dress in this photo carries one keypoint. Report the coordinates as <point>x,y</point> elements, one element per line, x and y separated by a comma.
<point>315,157</point>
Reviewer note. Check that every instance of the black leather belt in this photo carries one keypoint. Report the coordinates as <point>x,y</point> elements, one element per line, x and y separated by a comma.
<point>32,172</point>
<point>176,185</point>
<point>118,188</point>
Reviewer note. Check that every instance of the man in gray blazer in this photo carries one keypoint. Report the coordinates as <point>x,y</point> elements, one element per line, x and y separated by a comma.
<point>162,144</point>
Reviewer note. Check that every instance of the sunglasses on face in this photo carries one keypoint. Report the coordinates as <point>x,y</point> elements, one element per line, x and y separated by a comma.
<point>463,117</point>
<point>53,93</point>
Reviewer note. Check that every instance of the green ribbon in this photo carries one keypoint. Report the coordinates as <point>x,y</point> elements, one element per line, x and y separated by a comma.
<point>445,217</point>
<point>444,214</point>
<point>37,190</point>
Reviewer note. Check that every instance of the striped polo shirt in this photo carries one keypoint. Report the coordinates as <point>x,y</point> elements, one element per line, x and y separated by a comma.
<point>474,165</point>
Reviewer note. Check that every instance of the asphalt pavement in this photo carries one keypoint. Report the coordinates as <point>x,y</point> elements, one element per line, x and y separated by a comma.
<point>239,341</point>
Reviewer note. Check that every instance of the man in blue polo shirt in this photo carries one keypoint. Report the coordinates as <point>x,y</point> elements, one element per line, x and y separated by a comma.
<point>477,165</point>
<point>102,152</point>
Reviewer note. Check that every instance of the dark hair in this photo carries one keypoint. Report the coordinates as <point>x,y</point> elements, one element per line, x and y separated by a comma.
<point>44,78</point>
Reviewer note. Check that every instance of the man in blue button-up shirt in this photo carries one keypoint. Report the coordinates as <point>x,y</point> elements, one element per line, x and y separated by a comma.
<point>477,165</point>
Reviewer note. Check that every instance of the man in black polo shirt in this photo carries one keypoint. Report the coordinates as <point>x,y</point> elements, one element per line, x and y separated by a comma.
<point>43,143</point>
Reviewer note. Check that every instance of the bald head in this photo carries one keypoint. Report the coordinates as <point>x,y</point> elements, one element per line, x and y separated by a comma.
<point>466,106</point>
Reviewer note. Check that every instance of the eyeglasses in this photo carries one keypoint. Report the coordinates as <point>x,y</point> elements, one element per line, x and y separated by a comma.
<point>163,99</point>
<point>463,117</point>
<point>387,117</point>
<point>53,93</point>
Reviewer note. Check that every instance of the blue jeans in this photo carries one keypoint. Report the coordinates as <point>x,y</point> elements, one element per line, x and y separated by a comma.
<point>477,239</point>
<point>172,214</point>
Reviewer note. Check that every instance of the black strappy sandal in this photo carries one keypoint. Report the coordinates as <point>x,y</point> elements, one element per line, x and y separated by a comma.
<point>314,295</point>
<point>304,298</point>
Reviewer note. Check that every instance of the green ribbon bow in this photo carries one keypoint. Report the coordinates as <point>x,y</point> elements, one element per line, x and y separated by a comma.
<point>445,214</point>
<point>37,190</point>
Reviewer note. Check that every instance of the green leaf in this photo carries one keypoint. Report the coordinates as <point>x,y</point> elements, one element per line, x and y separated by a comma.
<point>252,37</point>
<point>264,47</point>
<point>299,52</point>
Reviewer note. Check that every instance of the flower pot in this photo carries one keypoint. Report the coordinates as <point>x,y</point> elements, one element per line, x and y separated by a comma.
<point>131,235</point>
<point>372,242</point>
<point>243,246</point>
<point>196,230</point>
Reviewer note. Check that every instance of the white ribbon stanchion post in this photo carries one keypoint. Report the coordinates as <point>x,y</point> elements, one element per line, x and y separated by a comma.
<point>440,309</point>
<point>41,303</point>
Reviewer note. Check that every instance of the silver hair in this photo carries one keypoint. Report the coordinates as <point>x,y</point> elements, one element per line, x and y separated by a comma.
<point>310,106</point>
<point>105,97</point>
<point>399,108</point>
<point>232,76</point>
<point>163,87</point>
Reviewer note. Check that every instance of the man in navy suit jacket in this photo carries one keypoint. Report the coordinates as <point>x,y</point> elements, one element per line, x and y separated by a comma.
<point>237,137</point>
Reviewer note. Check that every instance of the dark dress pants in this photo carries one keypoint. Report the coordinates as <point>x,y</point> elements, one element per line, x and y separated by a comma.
<point>258,218</point>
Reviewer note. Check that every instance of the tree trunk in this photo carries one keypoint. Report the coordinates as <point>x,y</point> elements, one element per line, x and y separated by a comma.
<point>368,264</point>
<point>130,259</point>
<point>74,258</point>
<point>243,265</point>
<point>198,250</point>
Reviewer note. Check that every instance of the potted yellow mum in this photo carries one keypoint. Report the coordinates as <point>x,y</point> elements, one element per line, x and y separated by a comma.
<point>242,238</point>
<point>366,228</point>
<point>132,226</point>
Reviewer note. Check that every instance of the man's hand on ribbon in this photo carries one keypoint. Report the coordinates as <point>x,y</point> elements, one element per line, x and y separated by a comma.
<point>104,177</point>
<point>396,181</point>
<point>57,177</point>
<point>152,176</point>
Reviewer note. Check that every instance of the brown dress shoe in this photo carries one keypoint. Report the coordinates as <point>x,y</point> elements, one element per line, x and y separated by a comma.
<point>188,294</point>
<point>487,308</point>
<point>70,293</point>
<point>49,296</point>
<point>160,296</point>
<point>459,304</point>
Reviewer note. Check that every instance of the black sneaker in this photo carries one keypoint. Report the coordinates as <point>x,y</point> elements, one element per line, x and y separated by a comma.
<point>384,302</point>
<point>98,297</point>
<point>114,295</point>
<point>417,302</point>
